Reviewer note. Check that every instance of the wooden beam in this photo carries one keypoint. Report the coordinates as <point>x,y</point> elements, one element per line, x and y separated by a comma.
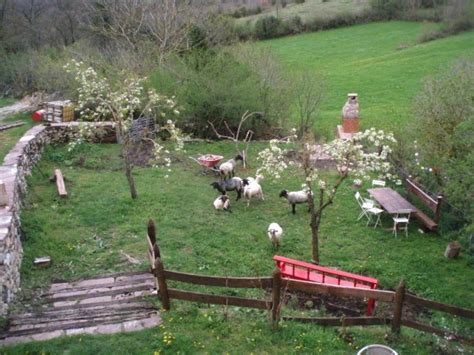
<point>237,282</point>
<point>218,299</point>
<point>379,295</point>
<point>60,183</point>
<point>6,126</point>
<point>437,331</point>
<point>458,311</point>
<point>333,321</point>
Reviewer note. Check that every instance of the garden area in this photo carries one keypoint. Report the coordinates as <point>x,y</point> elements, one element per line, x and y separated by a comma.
<point>418,91</point>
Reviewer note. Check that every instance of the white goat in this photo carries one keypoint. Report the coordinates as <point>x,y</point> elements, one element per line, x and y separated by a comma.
<point>253,189</point>
<point>295,197</point>
<point>222,203</point>
<point>275,234</point>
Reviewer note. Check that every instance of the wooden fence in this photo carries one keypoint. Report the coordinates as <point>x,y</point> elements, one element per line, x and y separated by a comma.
<point>279,285</point>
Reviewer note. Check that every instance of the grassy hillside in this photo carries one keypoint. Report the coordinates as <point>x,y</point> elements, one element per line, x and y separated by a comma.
<point>313,9</point>
<point>380,61</point>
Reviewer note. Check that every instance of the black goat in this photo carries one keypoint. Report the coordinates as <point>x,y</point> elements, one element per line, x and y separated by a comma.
<point>234,184</point>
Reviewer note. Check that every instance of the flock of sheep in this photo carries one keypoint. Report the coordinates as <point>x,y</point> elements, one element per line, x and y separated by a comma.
<point>250,188</point>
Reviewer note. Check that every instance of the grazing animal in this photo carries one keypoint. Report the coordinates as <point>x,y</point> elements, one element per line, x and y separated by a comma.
<point>253,189</point>
<point>275,234</point>
<point>222,203</point>
<point>295,197</point>
<point>227,169</point>
<point>234,184</point>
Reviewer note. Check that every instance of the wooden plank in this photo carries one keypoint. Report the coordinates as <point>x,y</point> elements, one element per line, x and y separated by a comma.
<point>332,321</point>
<point>438,306</point>
<point>426,199</point>
<point>379,295</point>
<point>437,331</point>
<point>113,291</point>
<point>217,299</point>
<point>60,183</point>
<point>425,220</point>
<point>6,126</point>
<point>128,299</point>
<point>237,282</point>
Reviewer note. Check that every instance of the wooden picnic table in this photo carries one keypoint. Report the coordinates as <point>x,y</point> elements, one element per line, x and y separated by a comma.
<point>390,200</point>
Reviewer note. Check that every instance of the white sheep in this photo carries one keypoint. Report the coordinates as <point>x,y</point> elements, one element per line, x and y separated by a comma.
<point>222,203</point>
<point>295,197</point>
<point>253,189</point>
<point>226,170</point>
<point>275,234</point>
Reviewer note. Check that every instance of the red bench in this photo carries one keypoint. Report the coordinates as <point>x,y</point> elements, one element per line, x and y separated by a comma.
<point>300,270</point>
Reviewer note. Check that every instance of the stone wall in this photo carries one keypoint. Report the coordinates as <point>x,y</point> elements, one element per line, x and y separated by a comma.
<point>16,167</point>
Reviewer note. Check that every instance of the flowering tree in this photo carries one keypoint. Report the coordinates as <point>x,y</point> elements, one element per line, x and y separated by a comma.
<point>359,157</point>
<point>100,101</point>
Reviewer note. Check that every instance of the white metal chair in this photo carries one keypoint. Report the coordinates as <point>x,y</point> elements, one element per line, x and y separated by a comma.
<point>376,349</point>
<point>368,210</point>
<point>364,205</point>
<point>380,183</point>
<point>401,221</point>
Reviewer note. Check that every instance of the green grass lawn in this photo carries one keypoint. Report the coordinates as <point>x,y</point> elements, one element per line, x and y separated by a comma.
<point>367,59</point>
<point>9,137</point>
<point>6,102</point>
<point>87,233</point>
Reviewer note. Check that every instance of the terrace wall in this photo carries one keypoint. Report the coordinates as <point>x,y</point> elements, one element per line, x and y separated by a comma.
<point>17,165</point>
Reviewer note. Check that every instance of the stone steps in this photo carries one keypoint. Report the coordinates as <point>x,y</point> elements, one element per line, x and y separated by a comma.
<point>103,305</point>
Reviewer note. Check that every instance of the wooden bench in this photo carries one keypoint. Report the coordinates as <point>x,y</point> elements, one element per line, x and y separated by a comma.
<point>300,270</point>
<point>429,223</point>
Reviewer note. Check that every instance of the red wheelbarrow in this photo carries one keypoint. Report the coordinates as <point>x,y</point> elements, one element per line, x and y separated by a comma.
<point>208,162</point>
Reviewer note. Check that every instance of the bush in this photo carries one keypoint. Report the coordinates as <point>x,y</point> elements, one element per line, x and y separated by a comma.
<point>268,27</point>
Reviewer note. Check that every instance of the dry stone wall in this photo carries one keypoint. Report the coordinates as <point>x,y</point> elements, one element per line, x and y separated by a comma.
<point>17,165</point>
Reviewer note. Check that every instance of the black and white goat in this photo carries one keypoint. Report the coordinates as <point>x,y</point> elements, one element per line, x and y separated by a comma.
<point>233,184</point>
<point>295,197</point>
<point>222,203</point>
<point>227,169</point>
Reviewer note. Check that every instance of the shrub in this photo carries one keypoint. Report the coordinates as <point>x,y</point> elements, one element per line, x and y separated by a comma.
<point>299,1</point>
<point>268,27</point>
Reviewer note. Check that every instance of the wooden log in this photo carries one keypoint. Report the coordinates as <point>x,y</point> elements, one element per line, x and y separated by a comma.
<point>276,297</point>
<point>6,126</point>
<point>452,250</point>
<point>348,321</point>
<point>398,307</point>
<point>60,183</point>
<point>341,291</point>
<point>438,306</point>
<point>218,299</point>
<point>437,331</point>
<point>44,261</point>
<point>237,282</point>
<point>162,287</point>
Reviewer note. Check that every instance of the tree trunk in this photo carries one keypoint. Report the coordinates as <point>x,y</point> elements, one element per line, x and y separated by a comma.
<point>315,221</point>
<point>128,173</point>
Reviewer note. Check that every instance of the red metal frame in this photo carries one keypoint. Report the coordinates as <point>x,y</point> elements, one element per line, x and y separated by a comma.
<point>300,270</point>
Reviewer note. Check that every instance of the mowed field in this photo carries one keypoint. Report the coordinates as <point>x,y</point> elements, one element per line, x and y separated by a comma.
<point>381,62</point>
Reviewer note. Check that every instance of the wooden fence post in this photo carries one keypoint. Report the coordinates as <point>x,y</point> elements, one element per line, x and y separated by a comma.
<point>276,295</point>
<point>163,288</point>
<point>398,307</point>
<point>152,235</point>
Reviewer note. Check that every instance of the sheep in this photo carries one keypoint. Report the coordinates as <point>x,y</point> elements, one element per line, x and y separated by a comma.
<point>295,197</point>
<point>275,234</point>
<point>222,203</point>
<point>253,189</point>
<point>232,184</point>
<point>227,169</point>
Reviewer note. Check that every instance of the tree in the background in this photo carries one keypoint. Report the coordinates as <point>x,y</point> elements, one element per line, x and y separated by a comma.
<point>444,131</point>
<point>359,157</point>
<point>100,100</point>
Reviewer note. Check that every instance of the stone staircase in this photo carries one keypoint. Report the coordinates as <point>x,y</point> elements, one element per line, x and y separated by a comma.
<point>102,305</point>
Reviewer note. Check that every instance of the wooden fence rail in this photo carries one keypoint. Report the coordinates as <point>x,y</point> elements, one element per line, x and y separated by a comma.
<point>277,285</point>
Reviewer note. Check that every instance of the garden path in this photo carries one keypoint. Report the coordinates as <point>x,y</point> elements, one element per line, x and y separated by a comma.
<point>102,305</point>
